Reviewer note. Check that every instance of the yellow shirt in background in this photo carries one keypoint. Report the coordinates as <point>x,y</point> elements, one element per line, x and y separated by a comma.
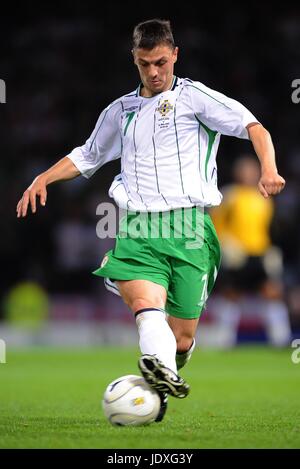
<point>244,216</point>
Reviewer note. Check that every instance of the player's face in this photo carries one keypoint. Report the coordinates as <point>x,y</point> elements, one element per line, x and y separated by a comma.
<point>156,67</point>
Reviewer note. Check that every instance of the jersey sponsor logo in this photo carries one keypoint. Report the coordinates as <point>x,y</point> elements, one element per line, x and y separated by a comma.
<point>165,107</point>
<point>131,108</point>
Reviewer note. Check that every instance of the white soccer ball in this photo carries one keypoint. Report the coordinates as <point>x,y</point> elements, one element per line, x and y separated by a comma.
<point>129,400</point>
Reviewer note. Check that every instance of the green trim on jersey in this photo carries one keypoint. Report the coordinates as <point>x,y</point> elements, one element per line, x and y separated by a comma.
<point>122,144</point>
<point>129,116</point>
<point>211,139</point>
<point>201,91</point>
<point>199,147</point>
<point>177,144</point>
<point>119,100</point>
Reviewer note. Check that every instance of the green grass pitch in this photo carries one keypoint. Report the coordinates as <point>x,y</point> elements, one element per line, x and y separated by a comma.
<point>243,398</point>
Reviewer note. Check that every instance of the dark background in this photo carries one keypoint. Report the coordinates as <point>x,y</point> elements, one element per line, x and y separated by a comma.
<point>64,62</point>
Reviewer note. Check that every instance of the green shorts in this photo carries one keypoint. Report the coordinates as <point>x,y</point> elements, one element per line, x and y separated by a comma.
<point>184,261</point>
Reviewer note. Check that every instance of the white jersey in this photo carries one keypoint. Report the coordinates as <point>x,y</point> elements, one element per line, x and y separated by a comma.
<point>167,144</point>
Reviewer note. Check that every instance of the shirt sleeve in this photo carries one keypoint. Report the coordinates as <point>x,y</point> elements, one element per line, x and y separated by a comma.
<point>102,146</point>
<point>220,113</point>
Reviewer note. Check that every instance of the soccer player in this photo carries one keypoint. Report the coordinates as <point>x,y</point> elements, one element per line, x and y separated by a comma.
<point>251,266</point>
<point>166,133</point>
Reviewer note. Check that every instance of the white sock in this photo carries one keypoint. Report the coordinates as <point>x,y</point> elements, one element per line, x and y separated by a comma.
<point>276,318</point>
<point>156,336</point>
<point>183,357</point>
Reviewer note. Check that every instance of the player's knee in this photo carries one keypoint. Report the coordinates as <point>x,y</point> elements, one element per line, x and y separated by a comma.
<point>184,343</point>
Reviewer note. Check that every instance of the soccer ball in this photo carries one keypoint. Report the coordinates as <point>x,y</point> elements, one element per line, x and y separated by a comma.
<point>129,400</point>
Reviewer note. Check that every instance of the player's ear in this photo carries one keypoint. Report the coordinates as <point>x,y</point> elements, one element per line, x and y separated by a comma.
<point>175,54</point>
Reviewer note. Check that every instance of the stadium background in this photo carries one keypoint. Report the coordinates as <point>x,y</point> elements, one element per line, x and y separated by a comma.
<point>62,64</point>
<point>62,68</point>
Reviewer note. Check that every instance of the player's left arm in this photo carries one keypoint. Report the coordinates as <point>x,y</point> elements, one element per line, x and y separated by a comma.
<point>270,183</point>
<point>229,117</point>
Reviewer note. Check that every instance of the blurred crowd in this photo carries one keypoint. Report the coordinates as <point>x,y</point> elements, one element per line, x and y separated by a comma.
<point>61,70</point>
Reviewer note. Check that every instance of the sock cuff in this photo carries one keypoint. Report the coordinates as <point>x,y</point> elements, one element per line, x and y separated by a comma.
<point>189,350</point>
<point>143,310</point>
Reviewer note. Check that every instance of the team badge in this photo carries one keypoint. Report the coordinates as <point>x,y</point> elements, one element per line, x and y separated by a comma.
<point>165,107</point>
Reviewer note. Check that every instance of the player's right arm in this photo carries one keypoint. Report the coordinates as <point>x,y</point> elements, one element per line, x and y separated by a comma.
<point>102,146</point>
<point>63,170</point>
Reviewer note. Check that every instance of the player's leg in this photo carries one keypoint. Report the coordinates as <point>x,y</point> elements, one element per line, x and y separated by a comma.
<point>184,331</point>
<point>194,271</point>
<point>227,308</point>
<point>146,300</point>
<point>276,316</point>
<point>144,297</point>
<point>184,311</point>
<point>185,302</point>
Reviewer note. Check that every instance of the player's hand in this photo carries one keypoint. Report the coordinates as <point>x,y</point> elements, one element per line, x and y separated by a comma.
<point>270,183</point>
<point>36,189</point>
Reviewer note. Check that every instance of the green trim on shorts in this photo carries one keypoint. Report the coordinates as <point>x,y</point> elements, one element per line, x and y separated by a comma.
<point>185,266</point>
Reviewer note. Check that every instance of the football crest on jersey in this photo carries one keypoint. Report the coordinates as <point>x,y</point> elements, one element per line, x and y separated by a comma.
<point>165,107</point>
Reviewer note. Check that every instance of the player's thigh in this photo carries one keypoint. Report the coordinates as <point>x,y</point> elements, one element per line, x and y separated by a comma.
<point>139,294</point>
<point>194,272</point>
<point>189,289</point>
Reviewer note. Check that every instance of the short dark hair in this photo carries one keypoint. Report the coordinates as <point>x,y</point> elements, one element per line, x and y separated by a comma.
<point>151,33</point>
